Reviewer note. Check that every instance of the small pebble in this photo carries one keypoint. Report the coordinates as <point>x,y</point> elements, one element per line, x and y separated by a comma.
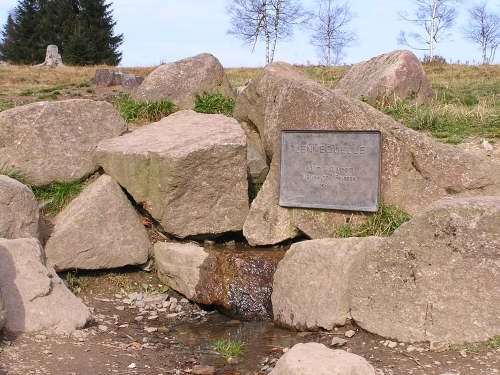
<point>150,329</point>
<point>350,333</point>
<point>392,344</point>
<point>337,341</point>
<point>203,370</point>
<point>102,328</point>
<point>132,365</point>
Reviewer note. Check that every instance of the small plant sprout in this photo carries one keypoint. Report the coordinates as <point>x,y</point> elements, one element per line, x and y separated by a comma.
<point>228,348</point>
<point>494,342</point>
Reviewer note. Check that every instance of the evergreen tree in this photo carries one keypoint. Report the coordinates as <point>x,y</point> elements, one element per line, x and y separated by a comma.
<point>82,29</point>
<point>93,38</point>
<point>7,34</point>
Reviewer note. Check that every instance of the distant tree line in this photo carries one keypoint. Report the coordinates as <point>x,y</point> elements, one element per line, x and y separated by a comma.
<point>82,29</point>
<point>330,26</point>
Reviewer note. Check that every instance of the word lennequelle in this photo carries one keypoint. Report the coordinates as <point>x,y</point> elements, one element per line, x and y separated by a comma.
<point>329,149</point>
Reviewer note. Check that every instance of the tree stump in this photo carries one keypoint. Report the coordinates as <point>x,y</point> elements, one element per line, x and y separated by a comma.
<point>52,57</point>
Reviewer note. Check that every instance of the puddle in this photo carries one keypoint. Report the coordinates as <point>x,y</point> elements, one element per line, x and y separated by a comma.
<point>258,338</point>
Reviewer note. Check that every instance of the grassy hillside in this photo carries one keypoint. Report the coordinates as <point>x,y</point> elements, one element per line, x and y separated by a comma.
<point>467,97</point>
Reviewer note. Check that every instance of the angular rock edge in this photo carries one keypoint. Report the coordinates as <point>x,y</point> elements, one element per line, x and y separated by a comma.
<point>35,297</point>
<point>99,229</point>
<point>416,170</point>
<point>435,279</point>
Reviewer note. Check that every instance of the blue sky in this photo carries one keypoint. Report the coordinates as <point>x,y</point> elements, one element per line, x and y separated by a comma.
<point>168,30</point>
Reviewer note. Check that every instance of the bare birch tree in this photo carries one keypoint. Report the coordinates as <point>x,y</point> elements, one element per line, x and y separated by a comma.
<point>330,30</point>
<point>484,29</point>
<point>267,20</point>
<point>434,18</point>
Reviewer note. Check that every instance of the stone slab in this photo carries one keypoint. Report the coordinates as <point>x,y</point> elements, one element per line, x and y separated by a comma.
<point>330,169</point>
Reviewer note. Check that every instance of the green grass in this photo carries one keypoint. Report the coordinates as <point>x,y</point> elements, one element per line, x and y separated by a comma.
<point>382,223</point>
<point>56,195</point>
<point>75,282</point>
<point>90,91</point>
<point>214,103</point>
<point>228,348</point>
<point>494,342</point>
<point>445,122</point>
<point>144,112</point>
<point>83,84</point>
<point>253,189</point>
<point>6,105</point>
<point>49,96</point>
<point>26,93</point>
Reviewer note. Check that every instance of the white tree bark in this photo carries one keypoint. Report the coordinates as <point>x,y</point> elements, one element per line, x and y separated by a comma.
<point>432,31</point>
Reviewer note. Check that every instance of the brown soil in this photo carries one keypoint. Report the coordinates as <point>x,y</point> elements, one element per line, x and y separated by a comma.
<point>184,341</point>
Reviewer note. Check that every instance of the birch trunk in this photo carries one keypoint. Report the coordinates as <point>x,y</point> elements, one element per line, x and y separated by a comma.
<point>276,25</point>
<point>431,34</point>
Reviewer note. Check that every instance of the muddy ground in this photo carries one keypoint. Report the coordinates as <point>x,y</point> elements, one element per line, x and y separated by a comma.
<point>115,342</point>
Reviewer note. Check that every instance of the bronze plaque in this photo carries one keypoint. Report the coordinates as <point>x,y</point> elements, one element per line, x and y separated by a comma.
<point>330,169</point>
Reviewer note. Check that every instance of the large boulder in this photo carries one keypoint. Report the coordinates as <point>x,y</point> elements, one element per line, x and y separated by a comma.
<point>18,210</point>
<point>55,141</point>
<point>3,313</point>
<point>181,80</point>
<point>316,359</point>
<point>239,282</point>
<point>416,170</point>
<point>395,75</point>
<point>98,230</point>
<point>311,284</point>
<point>35,297</point>
<point>436,278</point>
<point>188,169</point>
<point>256,156</point>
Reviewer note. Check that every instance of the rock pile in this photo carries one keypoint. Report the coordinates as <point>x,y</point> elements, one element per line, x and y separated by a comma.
<point>416,170</point>
<point>432,280</point>
<point>108,77</point>
<point>188,170</point>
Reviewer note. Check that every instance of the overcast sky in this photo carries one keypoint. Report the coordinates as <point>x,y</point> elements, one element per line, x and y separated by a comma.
<point>159,31</point>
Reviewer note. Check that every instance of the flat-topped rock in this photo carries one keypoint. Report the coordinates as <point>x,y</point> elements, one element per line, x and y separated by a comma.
<point>85,232</point>
<point>35,297</point>
<point>237,280</point>
<point>189,170</point>
<point>181,80</point>
<point>18,210</point>
<point>395,75</point>
<point>416,170</point>
<point>56,141</point>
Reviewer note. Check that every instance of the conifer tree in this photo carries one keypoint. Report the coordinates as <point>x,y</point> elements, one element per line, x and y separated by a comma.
<point>82,29</point>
